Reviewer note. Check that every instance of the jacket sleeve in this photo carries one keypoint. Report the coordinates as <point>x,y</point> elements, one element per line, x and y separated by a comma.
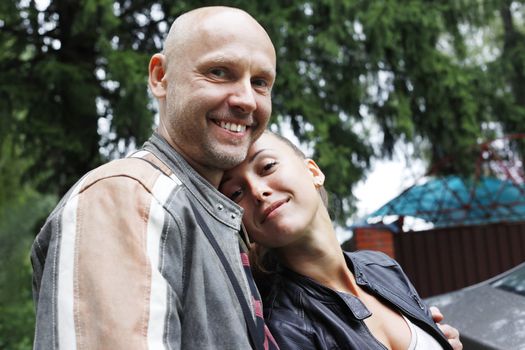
<point>101,286</point>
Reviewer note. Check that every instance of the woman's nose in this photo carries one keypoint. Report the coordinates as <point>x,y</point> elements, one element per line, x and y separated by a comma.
<point>261,192</point>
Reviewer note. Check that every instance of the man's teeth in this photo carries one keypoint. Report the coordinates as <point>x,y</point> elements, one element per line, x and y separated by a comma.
<point>233,127</point>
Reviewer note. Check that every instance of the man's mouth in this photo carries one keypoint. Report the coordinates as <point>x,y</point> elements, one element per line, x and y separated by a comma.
<point>233,127</point>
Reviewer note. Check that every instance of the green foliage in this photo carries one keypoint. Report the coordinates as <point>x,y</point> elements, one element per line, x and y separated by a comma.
<point>20,218</point>
<point>22,211</point>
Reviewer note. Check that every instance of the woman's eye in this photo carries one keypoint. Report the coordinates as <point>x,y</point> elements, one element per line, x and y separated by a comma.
<point>236,195</point>
<point>269,165</point>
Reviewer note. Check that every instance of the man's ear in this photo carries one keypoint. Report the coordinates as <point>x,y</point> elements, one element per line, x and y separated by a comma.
<point>316,172</point>
<point>156,81</point>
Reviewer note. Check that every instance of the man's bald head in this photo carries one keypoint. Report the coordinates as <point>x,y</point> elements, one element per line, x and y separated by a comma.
<point>190,26</point>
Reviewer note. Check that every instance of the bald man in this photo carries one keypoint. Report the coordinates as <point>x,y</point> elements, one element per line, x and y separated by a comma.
<point>144,252</point>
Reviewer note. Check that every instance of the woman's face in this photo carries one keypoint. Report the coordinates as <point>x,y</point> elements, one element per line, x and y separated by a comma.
<point>278,191</point>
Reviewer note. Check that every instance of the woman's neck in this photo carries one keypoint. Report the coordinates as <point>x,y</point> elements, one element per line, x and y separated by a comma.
<point>320,257</point>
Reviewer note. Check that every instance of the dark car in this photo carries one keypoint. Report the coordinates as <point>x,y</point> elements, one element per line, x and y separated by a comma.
<point>490,314</point>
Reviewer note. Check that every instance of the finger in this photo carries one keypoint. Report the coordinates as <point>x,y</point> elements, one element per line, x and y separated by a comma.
<point>456,344</point>
<point>449,331</point>
<point>437,316</point>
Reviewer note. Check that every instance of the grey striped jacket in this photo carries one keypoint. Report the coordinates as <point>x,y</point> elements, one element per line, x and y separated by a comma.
<point>122,264</point>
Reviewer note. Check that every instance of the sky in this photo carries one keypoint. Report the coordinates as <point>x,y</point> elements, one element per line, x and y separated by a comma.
<point>383,183</point>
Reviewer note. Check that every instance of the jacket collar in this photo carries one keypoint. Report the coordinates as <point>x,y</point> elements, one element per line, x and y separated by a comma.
<point>214,202</point>
<point>325,294</point>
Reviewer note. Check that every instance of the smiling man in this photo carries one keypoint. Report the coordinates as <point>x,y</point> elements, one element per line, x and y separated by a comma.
<point>218,101</point>
<point>144,252</point>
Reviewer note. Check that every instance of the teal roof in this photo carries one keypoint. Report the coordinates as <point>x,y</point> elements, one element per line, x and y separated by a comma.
<point>452,201</point>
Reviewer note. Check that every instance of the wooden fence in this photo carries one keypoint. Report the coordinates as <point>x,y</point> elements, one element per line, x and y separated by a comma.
<point>443,260</point>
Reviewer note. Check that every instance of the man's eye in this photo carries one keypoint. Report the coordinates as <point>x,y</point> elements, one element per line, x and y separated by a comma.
<point>260,83</point>
<point>218,72</point>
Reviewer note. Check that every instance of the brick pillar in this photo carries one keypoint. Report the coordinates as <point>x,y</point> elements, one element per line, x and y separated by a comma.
<point>375,238</point>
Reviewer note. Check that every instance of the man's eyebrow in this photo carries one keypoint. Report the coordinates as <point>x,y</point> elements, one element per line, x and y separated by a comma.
<point>228,59</point>
<point>270,72</point>
<point>218,59</point>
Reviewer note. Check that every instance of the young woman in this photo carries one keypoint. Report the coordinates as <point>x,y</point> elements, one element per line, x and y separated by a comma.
<point>322,297</point>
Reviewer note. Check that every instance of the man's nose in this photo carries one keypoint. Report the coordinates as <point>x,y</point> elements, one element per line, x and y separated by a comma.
<point>243,98</point>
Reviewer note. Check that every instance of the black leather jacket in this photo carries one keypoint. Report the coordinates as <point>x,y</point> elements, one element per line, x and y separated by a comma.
<point>303,314</point>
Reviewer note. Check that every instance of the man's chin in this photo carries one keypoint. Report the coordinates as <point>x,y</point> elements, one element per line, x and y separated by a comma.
<point>228,160</point>
<point>228,163</point>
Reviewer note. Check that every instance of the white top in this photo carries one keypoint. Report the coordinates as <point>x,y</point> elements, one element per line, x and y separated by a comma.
<point>421,340</point>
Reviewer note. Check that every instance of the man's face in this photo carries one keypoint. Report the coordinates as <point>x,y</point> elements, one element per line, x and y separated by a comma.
<point>218,97</point>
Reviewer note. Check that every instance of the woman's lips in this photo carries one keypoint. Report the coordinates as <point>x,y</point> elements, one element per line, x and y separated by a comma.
<point>271,208</point>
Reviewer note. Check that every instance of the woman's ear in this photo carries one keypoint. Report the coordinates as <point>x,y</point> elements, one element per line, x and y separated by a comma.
<point>316,172</point>
<point>156,80</point>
